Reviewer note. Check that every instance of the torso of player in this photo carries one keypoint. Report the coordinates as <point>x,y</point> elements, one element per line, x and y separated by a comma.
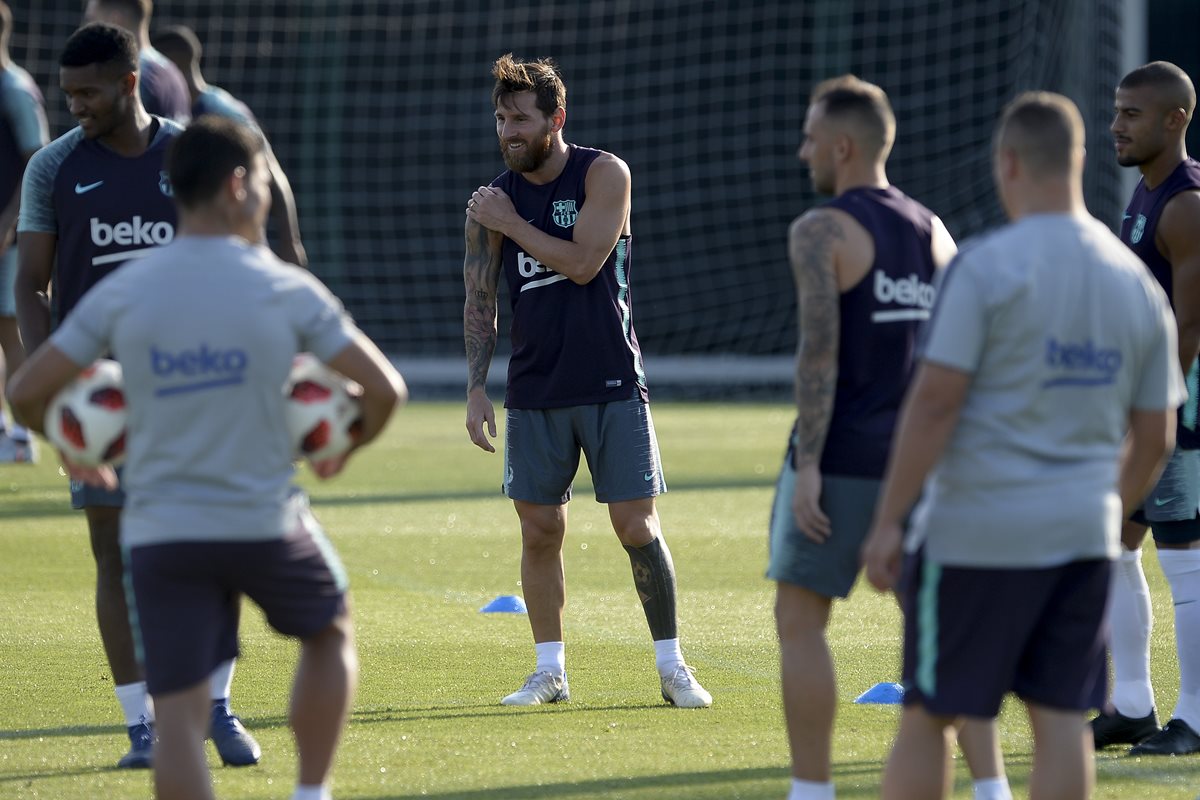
<point>110,209</point>
<point>215,100</point>
<point>162,88</point>
<point>571,344</point>
<point>22,127</point>
<point>1139,230</point>
<point>880,316</point>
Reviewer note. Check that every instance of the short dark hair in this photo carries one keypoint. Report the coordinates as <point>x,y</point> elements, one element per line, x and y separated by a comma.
<point>1045,130</point>
<point>1172,81</point>
<point>137,10</point>
<point>540,77</point>
<point>850,98</point>
<point>201,159</point>
<point>180,39</point>
<point>102,44</point>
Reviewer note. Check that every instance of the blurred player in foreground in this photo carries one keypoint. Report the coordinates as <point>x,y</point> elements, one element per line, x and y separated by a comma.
<point>180,44</point>
<point>212,514</point>
<point>556,223</point>
<point>23,131</point>
<point>1017,415</point>
<point>1154,104</point>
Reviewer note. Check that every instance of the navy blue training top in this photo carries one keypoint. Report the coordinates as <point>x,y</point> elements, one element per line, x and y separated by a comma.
<point>1138,230</point>
<point>571,345</point>
<point>880,319</point>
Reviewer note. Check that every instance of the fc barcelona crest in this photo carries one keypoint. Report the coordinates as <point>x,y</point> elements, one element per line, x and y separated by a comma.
<point>164,184</point>
<point>1139,228</point>
<point>565,213</point>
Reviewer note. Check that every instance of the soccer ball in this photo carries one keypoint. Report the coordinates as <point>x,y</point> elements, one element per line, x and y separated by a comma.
<point>323,418</point>
<point>86,420</point>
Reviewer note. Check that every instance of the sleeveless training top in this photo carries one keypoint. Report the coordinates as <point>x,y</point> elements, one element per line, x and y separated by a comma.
<point>571,345</point>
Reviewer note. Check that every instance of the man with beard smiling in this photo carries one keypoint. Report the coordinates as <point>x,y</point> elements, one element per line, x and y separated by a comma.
<point>557,224</point>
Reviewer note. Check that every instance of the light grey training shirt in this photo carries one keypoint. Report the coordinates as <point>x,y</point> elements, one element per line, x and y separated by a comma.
<point>205,329</point>
<point>1063,331</point>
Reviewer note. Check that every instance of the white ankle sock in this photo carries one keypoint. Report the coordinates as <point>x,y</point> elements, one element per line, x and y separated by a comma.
<point>667,656</point>
<point>221,681</point>
<point>810,790</point>
<point>992,789</point>
<point>135,703</point>
<point>1132,621</point>
<point>18,432</point>
<point>304,792</point>
<point>1182,571</point>
<point>551,657</point>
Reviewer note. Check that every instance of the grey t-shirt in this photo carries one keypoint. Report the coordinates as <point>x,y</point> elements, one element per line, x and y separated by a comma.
<point>205,329</point>
<point>1063,331</point>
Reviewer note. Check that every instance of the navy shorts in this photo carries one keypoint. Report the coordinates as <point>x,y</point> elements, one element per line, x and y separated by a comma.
<point>972,635</point>
<point>184,598</point>
<point>831,567</point>
<point>542,447</point>
<point>1172,511</point>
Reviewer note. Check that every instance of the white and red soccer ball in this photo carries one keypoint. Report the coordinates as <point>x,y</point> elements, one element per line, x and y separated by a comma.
<point>86,420</point>
<point>323,413</point>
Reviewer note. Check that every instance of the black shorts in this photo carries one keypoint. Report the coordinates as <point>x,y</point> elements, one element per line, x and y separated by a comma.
<point>973,635</point>
<point>184,598</point>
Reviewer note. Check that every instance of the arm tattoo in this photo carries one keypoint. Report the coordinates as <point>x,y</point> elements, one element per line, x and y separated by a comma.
<point>481,276</point>
<point>811,253</point>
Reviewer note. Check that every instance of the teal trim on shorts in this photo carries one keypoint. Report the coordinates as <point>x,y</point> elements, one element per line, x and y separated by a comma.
<point>328,551</point>
<point>139,650</point>
<point>1193,390</point>
<point>927,616</point>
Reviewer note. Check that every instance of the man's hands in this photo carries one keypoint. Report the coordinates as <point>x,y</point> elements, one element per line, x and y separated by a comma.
<point>492,208</point>
<point>806,504</point>
<point>480,411</point>
<point>881,555</point>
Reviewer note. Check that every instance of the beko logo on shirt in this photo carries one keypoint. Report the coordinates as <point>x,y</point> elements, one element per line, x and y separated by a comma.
<point>1081,363</point>
<point>914,296</point>
<point>136,231</point>
<point>529,266</point>
<point>201,368</point>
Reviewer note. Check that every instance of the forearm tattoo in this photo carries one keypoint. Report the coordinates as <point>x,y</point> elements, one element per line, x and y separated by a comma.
<point>481,277</point>
<point>811,252</point>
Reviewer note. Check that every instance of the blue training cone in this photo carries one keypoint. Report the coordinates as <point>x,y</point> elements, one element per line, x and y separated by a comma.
<point>505,604</point>
<point>883,693</point>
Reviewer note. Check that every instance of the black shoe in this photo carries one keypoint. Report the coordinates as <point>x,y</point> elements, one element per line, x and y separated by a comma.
<point>1116,728</point>
<point>1175,739</point>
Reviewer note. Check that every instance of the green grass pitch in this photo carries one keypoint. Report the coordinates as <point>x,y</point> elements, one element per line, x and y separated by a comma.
<point>427,541</point>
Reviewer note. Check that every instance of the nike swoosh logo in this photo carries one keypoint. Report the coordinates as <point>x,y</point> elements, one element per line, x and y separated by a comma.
<point>1161,503</point>
<point>81,189</point>
<point>649,476</point>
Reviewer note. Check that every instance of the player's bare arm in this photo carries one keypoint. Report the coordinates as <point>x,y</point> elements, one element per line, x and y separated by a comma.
<point>942,246</point>
<point>927,419</point>
<point>31,290</point>
<point>481,279</point>
<point>813,241</point>
<point>1178,239</point>
<point>383,390</point>
<point>283,209</point>
<point>602,220</point>
<point>1150,440</point>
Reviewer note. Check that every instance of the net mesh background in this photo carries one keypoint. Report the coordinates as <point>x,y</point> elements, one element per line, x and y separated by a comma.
<point>380,113</point>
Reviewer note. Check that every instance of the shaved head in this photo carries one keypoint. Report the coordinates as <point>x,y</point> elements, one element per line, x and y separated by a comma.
<point>1170,85</point>
<point>861,109</point>
<point>1045,131</point>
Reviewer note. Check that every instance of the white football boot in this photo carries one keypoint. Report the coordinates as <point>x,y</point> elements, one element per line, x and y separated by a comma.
<point>540,687</point>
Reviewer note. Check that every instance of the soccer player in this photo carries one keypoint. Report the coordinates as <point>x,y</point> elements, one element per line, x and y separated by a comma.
<point>91,200</point>
<point>556,223</point>
<point>864,265</point>
<point>163,89</point>
<point>1154,105</point>
<point>1049,342</point>
<point>179,44</point>
<point>211,513</point>
<point>23,131</point>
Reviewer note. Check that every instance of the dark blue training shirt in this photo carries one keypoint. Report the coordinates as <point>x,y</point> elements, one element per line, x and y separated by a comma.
<point>880,318</point>
<point>571,345</point>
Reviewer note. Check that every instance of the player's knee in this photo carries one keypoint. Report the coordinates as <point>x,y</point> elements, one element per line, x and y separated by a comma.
<point>799,611</point>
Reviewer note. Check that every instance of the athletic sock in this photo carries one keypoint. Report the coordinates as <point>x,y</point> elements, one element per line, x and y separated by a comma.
<point>18,433</point>
<point>1182,571</point>
<point>654,577</point>
<point>810,790</point>
<point>992,789</point>
<point>1132,621</point>
<point>309,792</point>
<point>135,703</point>
<point>220,682</point>
<point>667,656</point>
<point>551,657</point>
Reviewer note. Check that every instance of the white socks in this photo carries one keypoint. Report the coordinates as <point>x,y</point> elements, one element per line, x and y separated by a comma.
<point>1131,621</point>
<point>304,792</point>
<point>135,703</point>
<point>992,789</point>
<point>667,656</point>
<point>551,658</point>
<point>1182,571</point>
<point>810,790</point>
<point>221,681</point>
